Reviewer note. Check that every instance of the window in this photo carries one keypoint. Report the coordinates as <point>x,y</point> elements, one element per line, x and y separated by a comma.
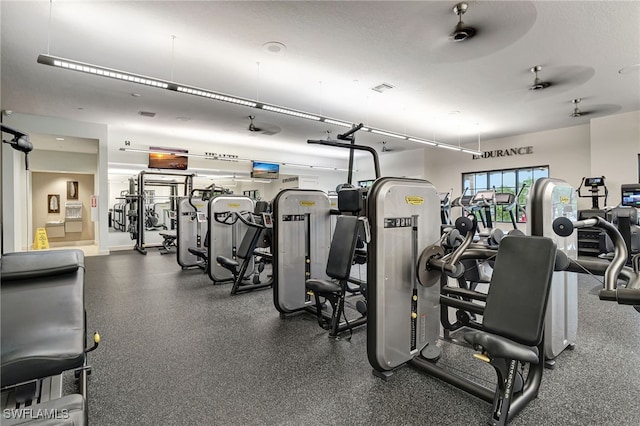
<point>509,180</point>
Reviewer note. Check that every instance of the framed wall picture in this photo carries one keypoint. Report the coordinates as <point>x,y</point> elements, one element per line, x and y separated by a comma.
<point>72,190</point>
<point>53,203</point>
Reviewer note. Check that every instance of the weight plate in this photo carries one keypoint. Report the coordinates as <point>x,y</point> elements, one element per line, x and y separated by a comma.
<point>428,277</point>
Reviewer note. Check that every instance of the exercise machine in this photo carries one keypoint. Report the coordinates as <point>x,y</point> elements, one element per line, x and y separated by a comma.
<point>510,203</point>
<point>445,208</point>
<point>301,241</point>
<point>621,283</point>
<point>593,185</point>
<point>335,291</point>
<point>245,280</point>
<point>140,202</point>
<point>225,232</point>
<point>42,294</point>
<point>548,200</point>
<point>481,205</point>
<point>404,297</point>
<point>191,232</point>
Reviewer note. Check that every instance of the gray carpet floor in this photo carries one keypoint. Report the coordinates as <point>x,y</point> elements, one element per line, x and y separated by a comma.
<point>177,350</point>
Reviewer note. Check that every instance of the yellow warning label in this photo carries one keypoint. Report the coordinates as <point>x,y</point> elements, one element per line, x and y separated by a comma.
<point>564,199</point>
<point>233,205</point>
<point>41,241</point>
<point>307,203</point>
<point>414,200</point>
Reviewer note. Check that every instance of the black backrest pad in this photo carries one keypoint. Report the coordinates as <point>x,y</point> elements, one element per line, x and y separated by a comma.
<point>342,247</point>
<point>519,288</point>
<point>249,242</point>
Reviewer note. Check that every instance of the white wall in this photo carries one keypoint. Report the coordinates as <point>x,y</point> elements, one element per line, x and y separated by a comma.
<point>566,151</point>
<point>615,145</point>
<point>392,164</point>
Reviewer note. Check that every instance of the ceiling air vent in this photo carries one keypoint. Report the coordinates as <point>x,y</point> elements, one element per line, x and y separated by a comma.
<point>147,114</point>
<point>382,87</point>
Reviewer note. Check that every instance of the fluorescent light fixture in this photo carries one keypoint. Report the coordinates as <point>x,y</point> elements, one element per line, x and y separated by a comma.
<point>423,141</point>
<point>322,167</point>
<point>134,150</point>
<point>384,133</point>
<point>257,180</point>
<point>290,112</point>
<point>338,123</point>
<point>470,151</point>
<point>212,95</point>
<point>101,71</point>
<point>306,166</point>
<point>123,171</point>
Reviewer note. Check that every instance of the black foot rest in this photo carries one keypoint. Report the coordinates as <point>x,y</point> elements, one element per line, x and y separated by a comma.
<point>66,411</point>
<point>200,252</point>
<point>168,237</point>
<point>499,347</point>
<point>227,263</point>
<point>323,286</point>
<point>42,322</point>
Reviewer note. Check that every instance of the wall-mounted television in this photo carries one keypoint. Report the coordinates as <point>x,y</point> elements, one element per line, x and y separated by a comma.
<point>168,158</point>
<point>265,170</point>
<point>631,195</point>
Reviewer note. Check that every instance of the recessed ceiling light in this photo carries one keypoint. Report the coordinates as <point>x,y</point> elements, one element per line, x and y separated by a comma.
<point>59,139</point>
<point>629,69</point>
<point>147,113</point>
<point>135,95</point>
<point>274,48</point>
<point>382,87</point>
<point>183,118</point>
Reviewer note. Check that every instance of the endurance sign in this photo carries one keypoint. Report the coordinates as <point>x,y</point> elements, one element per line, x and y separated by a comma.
<point>524,150</point>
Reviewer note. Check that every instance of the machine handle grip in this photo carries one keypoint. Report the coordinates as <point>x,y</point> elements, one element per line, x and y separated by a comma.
<point>564,227</point>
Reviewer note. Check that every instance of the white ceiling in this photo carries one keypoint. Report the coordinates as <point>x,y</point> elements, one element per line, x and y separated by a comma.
<point>336,51</point>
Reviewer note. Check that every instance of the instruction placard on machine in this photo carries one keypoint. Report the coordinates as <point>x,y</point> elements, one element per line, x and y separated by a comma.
<point>293,217</point>
<point>397,222</point>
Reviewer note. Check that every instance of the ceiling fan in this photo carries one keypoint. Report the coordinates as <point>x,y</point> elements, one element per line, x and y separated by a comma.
<point>386,148</point>
<point>597,109</point>
<point>264,128</point>
<point>461,31</point>
<point>538,83</point>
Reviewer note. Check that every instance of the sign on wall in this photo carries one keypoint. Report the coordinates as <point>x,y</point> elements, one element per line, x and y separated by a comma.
<point>509,152</point>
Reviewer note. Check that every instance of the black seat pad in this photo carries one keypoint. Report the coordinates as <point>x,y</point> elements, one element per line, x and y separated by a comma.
<point>500,347</point>
<point>31,265</point>
<point>167,236</point>
<point>323,286</point>
<point>42,320</point>
<point>200,252</point>
<point>226,262</point>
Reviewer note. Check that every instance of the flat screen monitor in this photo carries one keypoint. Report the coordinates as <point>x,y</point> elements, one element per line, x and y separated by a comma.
<point>631,195</point>
<point>483,196</point>
<point>265,170</point>
<point>365,183</point>
<point>594,181</point>
<point>168,158</point>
